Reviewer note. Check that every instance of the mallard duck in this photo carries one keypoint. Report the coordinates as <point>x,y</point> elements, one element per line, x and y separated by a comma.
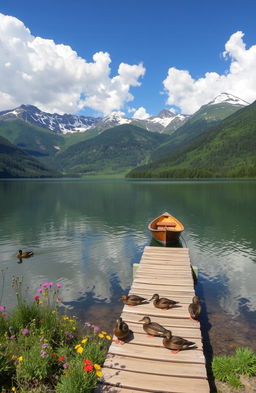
<point>24,254</point>
<point>132,300</point>
<point>121,331</point>
<point>195,308</point>
<point>162,302</point>
<point>153,328</point>
<point>176,343</point>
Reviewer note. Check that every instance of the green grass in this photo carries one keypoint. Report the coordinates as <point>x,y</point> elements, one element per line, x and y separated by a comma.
<point>229,368</point>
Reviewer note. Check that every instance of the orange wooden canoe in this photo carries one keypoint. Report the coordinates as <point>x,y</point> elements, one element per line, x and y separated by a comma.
<point>166,229</point>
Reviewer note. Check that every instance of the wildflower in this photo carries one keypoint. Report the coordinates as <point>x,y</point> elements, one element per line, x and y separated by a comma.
<point>84,341</point>
<point>20,358</point>
<point>101,335</point>
<point>12,337</point>
<point>77,346</point>
<point>97,366</point>
<point>88,368</point>
<point>61,358</point>
<point>88,324</point>
<point>99,373</point>
<point>13,389</point>
<point>50,284</point>
<point>87,361</point>
<point>40,290</point>
<point>54,354</point>
<point>45,345</point>
<point>4,314</point>
<point>104,333</point>
<point>10,327</point>
<point>45,285</point>
<point>65,365</point>
<point>40,302</point>
<point>80,350</point>
<point>58,285</point>
<point>44,354</point>
<point>25,331</point>
<point>2,308</point>
<point>36,297</point>
<point>54,311</point>
<point>108,337</point>
<point>96,328</point>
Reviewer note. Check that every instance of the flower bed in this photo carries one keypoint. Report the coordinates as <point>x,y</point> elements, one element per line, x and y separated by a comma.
<point>42,351</point>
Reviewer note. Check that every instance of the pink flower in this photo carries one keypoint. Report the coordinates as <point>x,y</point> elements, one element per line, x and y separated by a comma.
<point>40,290</point>
<point>2,308</point>
<point>58,285</point>
<point>50,284</point>
<point>45,285</point>
<point>25,331</point>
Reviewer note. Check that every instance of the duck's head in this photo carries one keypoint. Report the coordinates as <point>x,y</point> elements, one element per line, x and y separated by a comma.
<point>20,251</point>
<point>154,297</point>
<point>145,320</point>
<point>196,299</point>
<point>168,334</point>
<point>123,298</point>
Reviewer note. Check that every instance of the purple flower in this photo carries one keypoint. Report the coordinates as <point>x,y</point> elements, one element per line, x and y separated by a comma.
<point>25,331</point>
<point>2,308</point>
<point>40,290</point>
<point>58,285</point>
<point>12,336</point>
<point>45,345</point>
<point>96,328</point>
<point>45,285</point>
<point>44,354</point>
<point>65,365</point>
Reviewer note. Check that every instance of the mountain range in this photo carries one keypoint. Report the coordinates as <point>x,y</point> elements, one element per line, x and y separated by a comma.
<point>115,144</point>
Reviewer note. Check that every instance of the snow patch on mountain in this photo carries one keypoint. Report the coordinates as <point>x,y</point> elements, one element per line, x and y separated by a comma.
<point>228,99</point>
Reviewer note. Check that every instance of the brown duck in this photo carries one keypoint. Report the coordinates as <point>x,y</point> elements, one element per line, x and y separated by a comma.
<point>195,308</point>
<point>24,254</point>
<point>153,328</point>
<point>176,343</point>
<point>121,331</point>
<point>162,302</point>
<point>132,300</point>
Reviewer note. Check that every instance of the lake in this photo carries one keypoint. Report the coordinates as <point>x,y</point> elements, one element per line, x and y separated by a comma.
<point>87,234</point>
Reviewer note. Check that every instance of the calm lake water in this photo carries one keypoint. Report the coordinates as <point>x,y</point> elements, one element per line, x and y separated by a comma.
<point>86,235</point>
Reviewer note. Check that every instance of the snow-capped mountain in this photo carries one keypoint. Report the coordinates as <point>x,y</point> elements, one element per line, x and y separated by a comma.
<point>225,98</point>
<point>165,122</point>
<point>60,124</point>
<point>166,119</point>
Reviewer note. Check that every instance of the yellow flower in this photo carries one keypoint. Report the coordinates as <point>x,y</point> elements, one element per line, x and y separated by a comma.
<point>71,320</point>
<point>97,366</point>
<point>80,350</point>
<point>45,340</point>
<point>100,335</point>
<point>108,337</point>
<point>73,328</point>
<point>103,332</point>
<point>40,302</point>
<point>84,341</point>
<point>77,346</point>
<point>20,358</point>
<point>65,317</point>
<point>13,389</point>
<point>54,311</point>
<point>99,373</point>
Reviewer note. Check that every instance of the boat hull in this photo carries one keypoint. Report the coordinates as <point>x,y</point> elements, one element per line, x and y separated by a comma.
<point>166,229</point>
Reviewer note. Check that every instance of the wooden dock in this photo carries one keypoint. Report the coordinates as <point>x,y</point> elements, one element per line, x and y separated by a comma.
<point>143,365</point>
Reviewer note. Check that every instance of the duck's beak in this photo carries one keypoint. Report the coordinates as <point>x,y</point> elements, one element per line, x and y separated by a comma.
<point>149,300</point>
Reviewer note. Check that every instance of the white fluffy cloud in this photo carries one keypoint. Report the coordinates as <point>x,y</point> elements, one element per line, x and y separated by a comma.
<point>53,77</point>
<point>240,79</point>
<point>141,114</point>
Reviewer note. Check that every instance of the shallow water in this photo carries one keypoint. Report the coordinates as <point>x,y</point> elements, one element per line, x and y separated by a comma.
<point>86,234</point>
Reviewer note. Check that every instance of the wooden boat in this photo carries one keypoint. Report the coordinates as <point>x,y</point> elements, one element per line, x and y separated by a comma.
<point>166,229</point>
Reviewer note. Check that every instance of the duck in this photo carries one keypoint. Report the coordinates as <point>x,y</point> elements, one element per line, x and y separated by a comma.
<point>162,302</point>
<point>132,300</point>
<point>153,328</point>
<point>195,308</point>
<point>24,254</point>
<point>121,331</point>
<point>176,343</point>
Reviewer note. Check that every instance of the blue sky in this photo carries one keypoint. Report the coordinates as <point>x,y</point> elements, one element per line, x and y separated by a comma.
<point>156,36</point>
